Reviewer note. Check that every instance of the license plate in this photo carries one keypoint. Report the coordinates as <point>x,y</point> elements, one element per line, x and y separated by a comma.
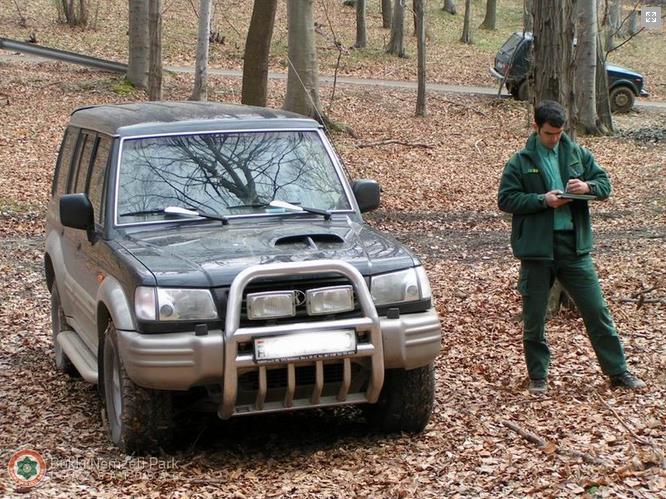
<point>305,346</point>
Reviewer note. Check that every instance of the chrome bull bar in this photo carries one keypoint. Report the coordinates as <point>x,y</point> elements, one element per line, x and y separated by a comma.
<point>234,334</point>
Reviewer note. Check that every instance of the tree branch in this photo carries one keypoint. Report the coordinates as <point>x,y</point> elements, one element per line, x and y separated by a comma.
<point>393,141</point>
<point>550,447</point>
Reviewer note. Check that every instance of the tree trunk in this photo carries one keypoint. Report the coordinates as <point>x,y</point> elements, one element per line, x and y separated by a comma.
<point>386,13</point>
<point>601,90</point>
<point>139,44</point>
<point>155,30</point>
<point>613,21</point>
<point>528,16</point>
<point>361,32</point>
<point>395,45</point>
<point>421,57</point>
<point>586,67</point>
<point>303,78</point>
<point>200,90</point>
<point>467,31</point>
<point>490,21</point>
<point>257,50</point>
<point>74,12</point>
<point>552,73</point>
<point>450,7</point>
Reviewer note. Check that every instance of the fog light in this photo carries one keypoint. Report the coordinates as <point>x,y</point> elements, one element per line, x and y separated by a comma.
<point>331,300</point>
<point>271,305</point>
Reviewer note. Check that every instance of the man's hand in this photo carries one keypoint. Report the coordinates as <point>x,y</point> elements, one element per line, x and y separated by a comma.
<point>553,201</point>
<point>577,186</point>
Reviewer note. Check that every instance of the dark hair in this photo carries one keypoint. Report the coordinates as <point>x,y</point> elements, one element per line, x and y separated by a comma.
<point>551,112</point>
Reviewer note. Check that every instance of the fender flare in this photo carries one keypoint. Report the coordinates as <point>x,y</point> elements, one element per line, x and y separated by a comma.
<point>112,294</point>
<point>624,83</point>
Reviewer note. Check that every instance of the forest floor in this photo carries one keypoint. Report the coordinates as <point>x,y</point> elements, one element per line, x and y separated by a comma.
<point>439,200</point>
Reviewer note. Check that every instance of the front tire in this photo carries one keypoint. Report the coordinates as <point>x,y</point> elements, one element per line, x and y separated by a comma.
<point>621,99</point>
<point>139,419</point>
<point>59,324</point>
<point>406,401</point>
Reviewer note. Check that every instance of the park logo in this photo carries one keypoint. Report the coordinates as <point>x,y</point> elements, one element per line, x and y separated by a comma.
<point>26,468</point>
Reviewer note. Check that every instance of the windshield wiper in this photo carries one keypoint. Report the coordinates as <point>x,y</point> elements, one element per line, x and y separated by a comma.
<point>252,205</point>
<point>141,212</point>
<point>276,203</point>
<point>177,210</point>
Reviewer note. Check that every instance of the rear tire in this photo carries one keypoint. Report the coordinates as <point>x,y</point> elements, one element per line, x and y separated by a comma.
<point>59,324</point>
<point>621,99</point>
<point>522,93</point>
<point>139,419</point>
<point>406,401</point>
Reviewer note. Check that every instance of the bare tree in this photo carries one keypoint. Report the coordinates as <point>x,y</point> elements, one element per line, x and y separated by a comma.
<point>450,7</point>
<point>303,77</point>
<point>155,31</point>
<point>421,57</point>
<point>396,43</point>
<point>467,30</point>
<point>386,13</point>
<point>528,16</point>
<point>139,44</point>
<point>73,12</point>
<point>490,21</point>
<point>361,31</point>
<point>200,89</point>
<point>257,50</point>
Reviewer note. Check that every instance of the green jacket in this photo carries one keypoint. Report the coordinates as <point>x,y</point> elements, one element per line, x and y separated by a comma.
<point>521,193</point>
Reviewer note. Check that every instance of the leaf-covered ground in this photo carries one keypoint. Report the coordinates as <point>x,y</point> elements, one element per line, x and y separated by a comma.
<point>439,200</point>
<point>449,61</point>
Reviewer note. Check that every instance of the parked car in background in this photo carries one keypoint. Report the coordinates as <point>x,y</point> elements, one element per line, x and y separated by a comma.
<point>512,65</point>
<point>218,252</point>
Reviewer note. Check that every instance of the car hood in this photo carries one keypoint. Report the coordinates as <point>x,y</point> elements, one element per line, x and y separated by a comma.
<point>621,71</point>
<point>210,255</point>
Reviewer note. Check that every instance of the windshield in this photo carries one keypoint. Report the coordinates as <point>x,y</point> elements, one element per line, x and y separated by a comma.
<point>226,173</point>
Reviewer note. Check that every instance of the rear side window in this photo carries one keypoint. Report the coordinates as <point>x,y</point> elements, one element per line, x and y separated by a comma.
<point>96,179</point>
<point>64,162</point>
<point>84,163</point>
<point>510,45</point>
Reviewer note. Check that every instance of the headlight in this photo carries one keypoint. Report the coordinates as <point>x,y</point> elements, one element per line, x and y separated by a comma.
<point>406,285</point>
<point>167,304</point>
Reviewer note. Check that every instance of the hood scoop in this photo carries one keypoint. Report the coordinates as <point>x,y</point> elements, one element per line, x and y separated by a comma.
<point>309,241</point>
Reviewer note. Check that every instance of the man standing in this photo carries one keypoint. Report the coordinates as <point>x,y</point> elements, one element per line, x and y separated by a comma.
<point>552,237</point>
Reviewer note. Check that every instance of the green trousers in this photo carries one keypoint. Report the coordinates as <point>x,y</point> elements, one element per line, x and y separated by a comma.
<point>579,279</point>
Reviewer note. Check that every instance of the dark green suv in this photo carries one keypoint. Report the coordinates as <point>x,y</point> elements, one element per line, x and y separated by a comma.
<point>512,66</point>
<point>217,253</point>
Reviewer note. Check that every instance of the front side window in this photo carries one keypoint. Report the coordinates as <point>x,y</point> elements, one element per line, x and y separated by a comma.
<point>96,184</point>
<point>227,174</point>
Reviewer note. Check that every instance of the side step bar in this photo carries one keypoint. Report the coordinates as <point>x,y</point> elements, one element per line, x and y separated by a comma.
<point>62,55</point>
<point>77,351</point>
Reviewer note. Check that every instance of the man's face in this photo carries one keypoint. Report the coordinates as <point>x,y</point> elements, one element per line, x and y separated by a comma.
<point>548,134</point>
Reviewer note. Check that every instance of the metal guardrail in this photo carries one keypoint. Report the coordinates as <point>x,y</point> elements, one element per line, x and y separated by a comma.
<point>62,55</point>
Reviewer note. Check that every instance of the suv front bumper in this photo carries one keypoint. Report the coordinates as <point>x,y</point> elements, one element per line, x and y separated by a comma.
<point>179,361</point>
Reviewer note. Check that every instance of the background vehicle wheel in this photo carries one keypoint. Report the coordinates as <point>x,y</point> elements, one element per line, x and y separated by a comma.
<point>59,323</point>
<point>406,401</point>
<point>621,99</point>
<point>523,91</point>
<point>140,420</point>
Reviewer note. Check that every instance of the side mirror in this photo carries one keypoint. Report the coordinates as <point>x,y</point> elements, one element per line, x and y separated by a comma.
<point>76,212</point>
<point>366,193</point>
